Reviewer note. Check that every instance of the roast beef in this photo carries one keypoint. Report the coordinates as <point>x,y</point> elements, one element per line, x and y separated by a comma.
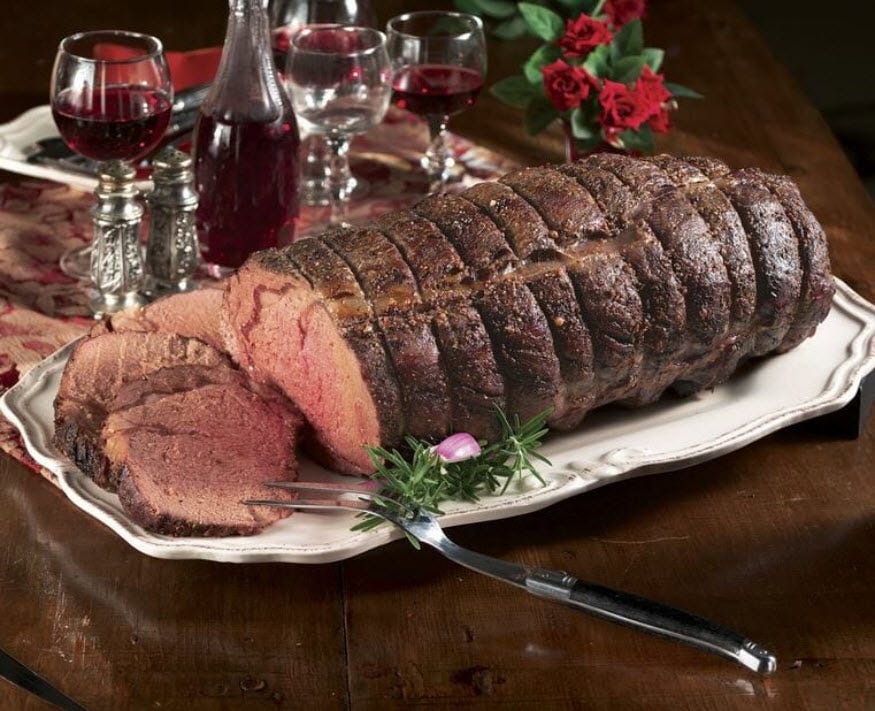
<point>194,314</point>
<point>561,287</point>
<point>98,369</point>
<point>186,459</point>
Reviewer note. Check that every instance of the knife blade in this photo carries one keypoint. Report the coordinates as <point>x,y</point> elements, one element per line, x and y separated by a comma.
<point>20,675</point>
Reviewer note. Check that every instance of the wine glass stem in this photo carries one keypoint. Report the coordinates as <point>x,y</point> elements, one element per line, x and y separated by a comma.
<point>338,177</point>
<point>437,160</point>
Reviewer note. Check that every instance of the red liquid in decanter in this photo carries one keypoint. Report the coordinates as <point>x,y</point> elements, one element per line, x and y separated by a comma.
<point>246,148</point>
<point>247,176</point>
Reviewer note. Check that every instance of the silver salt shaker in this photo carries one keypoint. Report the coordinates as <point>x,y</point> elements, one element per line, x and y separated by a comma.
<point>172,248</point>
<point>116,260</point>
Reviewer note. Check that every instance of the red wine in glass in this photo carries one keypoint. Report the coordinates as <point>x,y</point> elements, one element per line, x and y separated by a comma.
<point>246,180</point>
<point>119,122</point>
<point>436,89</point>
<point>439,59</point>
<point>111,100</point>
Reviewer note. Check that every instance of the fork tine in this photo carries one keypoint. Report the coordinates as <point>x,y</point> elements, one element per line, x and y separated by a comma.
<point>325,487</point>
<point>310,504</point>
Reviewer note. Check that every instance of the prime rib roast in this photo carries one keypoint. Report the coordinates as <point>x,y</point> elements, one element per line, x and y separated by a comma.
<point>611,279</point>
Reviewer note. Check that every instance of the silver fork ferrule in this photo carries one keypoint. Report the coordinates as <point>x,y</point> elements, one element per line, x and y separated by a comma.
<point>554,584</point>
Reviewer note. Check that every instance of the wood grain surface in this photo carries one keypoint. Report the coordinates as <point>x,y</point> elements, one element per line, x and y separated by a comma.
<point>776,540</point>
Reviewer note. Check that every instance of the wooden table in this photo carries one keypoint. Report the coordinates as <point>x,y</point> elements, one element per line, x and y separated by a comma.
<point>776,540</point>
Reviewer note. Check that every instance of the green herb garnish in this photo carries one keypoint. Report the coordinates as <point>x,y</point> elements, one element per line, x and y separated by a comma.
<point>426,479</point>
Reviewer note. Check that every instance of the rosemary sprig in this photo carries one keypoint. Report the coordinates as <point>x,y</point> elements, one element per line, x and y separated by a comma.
<point>427,480</point>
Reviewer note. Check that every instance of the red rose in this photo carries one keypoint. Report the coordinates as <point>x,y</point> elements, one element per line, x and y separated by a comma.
<point>651,86</point>
<point>583,35</point>
<point>622,108</point>
<point>567,86</point>
<point>661,122</point>
<point>620,12</point>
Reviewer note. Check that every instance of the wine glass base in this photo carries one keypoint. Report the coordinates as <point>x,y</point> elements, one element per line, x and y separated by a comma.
<point>441,175</point>
<point>105,304</point>
<point>76,263</point>
<point>315,193</point>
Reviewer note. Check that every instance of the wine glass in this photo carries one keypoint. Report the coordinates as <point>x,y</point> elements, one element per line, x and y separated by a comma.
<point>287,16</point>
<point>111,100</point>
<point>339,79</point>
<point>439,59</point>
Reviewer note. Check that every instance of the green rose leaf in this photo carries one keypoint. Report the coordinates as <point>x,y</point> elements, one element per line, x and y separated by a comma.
<point>653,56</point>
<point>584,145</point>
<point>628,69</point>
<point>542,21</point>
<point>640,140</point>
<point>510,29</point>
<point>469,6</point>
<point>499,9</point>
<point>597,61</point>
<point>680,90</point>
<point>575,7</point>
<point>544,55</point>
<point>582,125</point>
<point>514,91</point>
<point>629,40</point>
<point>540,113</point>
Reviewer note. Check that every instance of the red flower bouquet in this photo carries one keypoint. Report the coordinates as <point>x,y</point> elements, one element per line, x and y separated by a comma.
<point>594,73</point>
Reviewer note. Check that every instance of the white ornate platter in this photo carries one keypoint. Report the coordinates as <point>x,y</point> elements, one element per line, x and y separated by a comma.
<point>820,376</point>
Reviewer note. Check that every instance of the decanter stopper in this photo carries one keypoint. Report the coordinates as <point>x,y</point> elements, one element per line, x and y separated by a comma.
<point>172,248</point>
<point>116,261</point>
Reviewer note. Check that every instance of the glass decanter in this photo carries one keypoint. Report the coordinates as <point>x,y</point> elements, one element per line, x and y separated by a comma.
<point>246,148</point>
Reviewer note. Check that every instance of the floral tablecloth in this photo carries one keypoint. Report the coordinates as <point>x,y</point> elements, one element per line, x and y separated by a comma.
<point>41,309</point>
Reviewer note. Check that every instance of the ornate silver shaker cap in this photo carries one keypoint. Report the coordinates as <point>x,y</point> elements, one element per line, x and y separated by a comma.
<point>172,255</point>
<point>116,261</point>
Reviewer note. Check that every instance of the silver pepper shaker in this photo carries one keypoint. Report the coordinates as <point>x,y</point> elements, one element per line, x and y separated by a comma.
<point>116,261</point>
<point>172,249</point>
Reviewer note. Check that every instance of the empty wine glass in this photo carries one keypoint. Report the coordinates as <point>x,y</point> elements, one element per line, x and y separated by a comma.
<point>111,100</point>
<point>339,80</point>
<point>286,17</point>
<point>439,59</point>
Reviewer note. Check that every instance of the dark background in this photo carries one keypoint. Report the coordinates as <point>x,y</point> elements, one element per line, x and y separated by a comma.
<point>828,46</point>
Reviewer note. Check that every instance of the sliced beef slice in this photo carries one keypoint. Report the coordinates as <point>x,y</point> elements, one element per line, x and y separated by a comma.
<point>96,371</point>
<point>528,235</point>
<point>332,366</point>
<point>389,285</point>
<point>189,458</point>
<point>694,253</point>
<point>524,350</point>
<point>567,208</point>
<point>817,288</point>
<point>773,247</point>
<point>481,245</point>
<point>444,280</point>
<point>476,386</point>
<point>194,314</point>
<point>557,299</point>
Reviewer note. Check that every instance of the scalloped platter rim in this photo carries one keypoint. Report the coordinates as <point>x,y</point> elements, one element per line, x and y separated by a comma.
<point>614,444</point>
